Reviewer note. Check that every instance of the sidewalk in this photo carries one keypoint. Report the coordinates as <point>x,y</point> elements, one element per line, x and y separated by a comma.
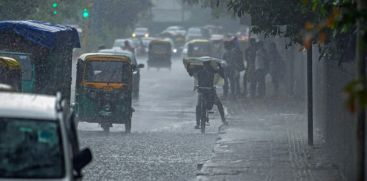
<point>267,141</point>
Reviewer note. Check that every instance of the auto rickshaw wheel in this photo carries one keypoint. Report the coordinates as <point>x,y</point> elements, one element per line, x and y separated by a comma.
<point>128,125</point>
<point>106,127</point>
<point>136,93</point>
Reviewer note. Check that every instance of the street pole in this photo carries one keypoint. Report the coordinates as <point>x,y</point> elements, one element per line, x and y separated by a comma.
<point>361,115</point>
<point>309,97</point>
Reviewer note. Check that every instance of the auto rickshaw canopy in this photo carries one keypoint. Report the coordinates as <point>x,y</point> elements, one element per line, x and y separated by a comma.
<point>10,63</point>
<point>42,33</point>
<point>105,57</point>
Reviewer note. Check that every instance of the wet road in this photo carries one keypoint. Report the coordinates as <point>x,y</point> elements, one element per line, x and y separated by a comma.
<point>163,144</point>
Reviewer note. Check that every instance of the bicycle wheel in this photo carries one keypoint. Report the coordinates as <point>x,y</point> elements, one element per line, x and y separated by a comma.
<point>203,117</point>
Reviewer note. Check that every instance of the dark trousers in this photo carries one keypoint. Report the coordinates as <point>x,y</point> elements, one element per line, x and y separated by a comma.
<point>234,82</point>
<point>260,82</point>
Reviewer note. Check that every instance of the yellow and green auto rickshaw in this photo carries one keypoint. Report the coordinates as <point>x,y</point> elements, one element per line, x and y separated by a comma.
<point>104,90</point>
<point>198,48</point>
<point>160,54</point>
<point>11,73</point>
<point>28,77</point>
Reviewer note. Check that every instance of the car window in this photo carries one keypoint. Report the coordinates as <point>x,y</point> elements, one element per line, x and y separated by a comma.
<point>30,149</point>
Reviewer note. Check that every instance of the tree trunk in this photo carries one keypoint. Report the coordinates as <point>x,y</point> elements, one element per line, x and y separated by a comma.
<point>361,116</point>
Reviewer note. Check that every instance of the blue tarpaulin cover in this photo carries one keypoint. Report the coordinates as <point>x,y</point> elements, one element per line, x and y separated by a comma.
<point>43,33</point>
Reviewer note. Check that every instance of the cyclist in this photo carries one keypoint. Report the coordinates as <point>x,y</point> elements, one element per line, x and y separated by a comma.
<point>205,77</point>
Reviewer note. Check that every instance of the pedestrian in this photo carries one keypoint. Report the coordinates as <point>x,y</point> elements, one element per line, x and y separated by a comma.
<point>260,69</point>
<point>226,45</point>
<point>249,78</point>
<point>233,57</point>
<point>277,68</point>
<point>128,47</point>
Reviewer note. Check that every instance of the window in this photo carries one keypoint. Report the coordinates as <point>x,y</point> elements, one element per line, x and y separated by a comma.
<point>107,71</point>
<point>30,149</point>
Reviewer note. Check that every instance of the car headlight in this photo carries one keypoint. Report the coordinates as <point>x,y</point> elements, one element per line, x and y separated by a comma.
<point>174,50</point>
<point>146,35</point>
<point>133,35</point>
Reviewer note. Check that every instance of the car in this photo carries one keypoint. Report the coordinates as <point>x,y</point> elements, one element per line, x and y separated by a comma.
<point>137,67</point>
<point>194,33</point>
<point>140,32</point>
<point>38,139</point>
<point>175,30</point>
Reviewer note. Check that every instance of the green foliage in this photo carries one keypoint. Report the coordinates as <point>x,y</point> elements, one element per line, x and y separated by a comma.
<point>268,15</point>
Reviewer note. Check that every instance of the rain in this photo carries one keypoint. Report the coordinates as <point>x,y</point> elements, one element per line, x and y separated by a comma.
<point>183,90</point>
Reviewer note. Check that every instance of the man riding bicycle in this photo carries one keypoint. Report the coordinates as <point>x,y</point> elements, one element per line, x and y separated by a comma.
<point>206,89</point>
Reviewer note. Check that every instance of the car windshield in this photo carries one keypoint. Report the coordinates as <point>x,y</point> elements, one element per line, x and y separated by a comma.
<point>107,71</point>
<point>141,30</point>
<point>30,149</point>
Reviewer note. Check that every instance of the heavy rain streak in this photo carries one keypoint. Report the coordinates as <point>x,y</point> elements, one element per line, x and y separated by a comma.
<point>174,90</point>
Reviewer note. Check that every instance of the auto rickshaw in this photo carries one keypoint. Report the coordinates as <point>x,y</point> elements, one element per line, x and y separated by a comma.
<point>44,51</point>
<point>27,68</point>
<point>198,48</point>
<point>11,73</point>
<point>104,90</point>
<point>160,53</point>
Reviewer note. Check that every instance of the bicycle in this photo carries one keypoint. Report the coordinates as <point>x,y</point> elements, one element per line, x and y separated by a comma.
<point>205,105</point>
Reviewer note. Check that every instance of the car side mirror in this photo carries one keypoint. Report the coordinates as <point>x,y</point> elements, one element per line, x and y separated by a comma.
<point>82,159</point>
<point>140,65</point>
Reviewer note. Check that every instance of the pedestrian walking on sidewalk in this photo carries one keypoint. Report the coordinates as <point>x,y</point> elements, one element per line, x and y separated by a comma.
<point>249,78</point>
<point>233,57</point>
<point>261,67</point>
<point>277,68</point>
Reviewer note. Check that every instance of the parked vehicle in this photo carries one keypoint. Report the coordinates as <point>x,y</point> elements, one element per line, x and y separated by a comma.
<point>104,89</point>
<point>38,139</point>
<point>160,54</point>
<point>136,67</point>
<point>10,73</point>
<point>44,51</point>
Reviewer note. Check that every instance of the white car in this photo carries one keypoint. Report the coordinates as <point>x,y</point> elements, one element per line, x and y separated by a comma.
<point>38,139</point>
<point>140,32</point>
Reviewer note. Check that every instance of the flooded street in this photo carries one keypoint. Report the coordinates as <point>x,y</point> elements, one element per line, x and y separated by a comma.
<point>163,144</point>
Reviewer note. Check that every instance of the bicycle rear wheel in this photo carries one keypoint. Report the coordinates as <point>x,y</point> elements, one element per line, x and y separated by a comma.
<point>203,118</point>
